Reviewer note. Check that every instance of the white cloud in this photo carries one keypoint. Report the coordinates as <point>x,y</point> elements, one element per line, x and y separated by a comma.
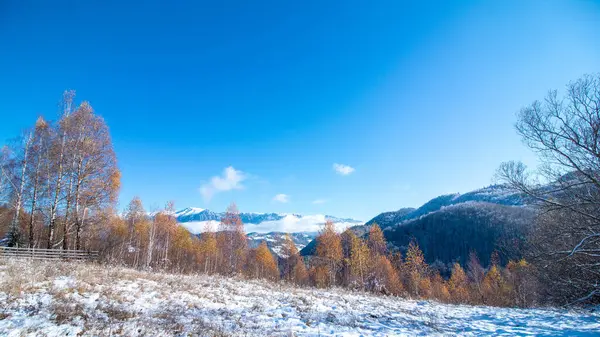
<point>319,201</point>
<point>291,224</point>
<point>343,169</point>
<point>230,180</point>
<point>288,224</point>
<point>283,198</point>
<point>196,227</point>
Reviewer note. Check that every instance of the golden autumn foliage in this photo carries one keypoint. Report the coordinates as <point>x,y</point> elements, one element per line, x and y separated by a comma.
<point>359,260</point>
<point>294,269</point>
<point>207,254</point>
<point>299,274</point>
<point>262,264</point>
<point>458,285</point>
<point>495,289</point>
<point>415,268</point>
<point>341,259</point>
<point>289,247</point>
<point>385,278</point>
<point>524,290</point>
<point>319,276</point>
<point>231,242</point>
<point>329,251</point>
<point>376,240</point>
<point>425,288</point>
<point>439,288</point>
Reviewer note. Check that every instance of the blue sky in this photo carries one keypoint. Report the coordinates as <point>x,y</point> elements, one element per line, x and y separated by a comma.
<point>242,101</point>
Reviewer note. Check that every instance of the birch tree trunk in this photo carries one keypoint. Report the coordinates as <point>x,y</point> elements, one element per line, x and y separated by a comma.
<point>14,226</point>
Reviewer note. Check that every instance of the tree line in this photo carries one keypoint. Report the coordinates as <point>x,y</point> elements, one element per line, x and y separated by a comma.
<point>157,242</point>
<point>57,178</point>
<point>366,264</point>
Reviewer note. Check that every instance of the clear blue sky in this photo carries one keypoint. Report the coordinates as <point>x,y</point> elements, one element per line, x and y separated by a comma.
<point>420,99</point>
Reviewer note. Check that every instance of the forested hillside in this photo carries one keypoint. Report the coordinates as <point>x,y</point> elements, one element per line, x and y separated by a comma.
<point>450,227</point>
<point>452,233</point>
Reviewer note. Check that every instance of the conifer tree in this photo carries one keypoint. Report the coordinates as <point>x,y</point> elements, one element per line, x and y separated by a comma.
<point>359,260</point>
<point>416,269</point>
<point>495,289</point>
<point>231,242</point>
<point>329,251</point>
<point>299,272</point>
<point>320,275</point>
<point>439,288</point>
<point>376,240</point>
<point>458,285</point>
<point>385,278</point>
<point>294,269</point>
<point>263,264</point>
<point>208,249</point>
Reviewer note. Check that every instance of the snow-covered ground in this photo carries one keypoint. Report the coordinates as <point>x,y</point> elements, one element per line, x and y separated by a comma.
<point>63,299</point>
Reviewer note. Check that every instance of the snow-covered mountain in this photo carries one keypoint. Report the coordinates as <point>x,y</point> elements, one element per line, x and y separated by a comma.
<point>197,219</point>
<point>494,194</point>
<point>267,227</point>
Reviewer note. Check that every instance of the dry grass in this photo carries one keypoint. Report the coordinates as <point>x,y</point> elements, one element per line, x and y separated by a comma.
<point>99,300</point>
<point>108,316</point>
<point>64,312</point>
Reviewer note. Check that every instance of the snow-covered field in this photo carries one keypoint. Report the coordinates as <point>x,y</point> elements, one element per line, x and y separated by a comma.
<point>63,299</point>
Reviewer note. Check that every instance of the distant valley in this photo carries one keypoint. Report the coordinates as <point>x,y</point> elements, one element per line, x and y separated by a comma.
<point>267,227</point>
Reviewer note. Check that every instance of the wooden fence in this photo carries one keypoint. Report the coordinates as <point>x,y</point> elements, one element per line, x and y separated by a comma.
<point>47,254</point>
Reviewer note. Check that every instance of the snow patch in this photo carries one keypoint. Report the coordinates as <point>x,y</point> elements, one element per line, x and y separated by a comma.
<point>122,302</point>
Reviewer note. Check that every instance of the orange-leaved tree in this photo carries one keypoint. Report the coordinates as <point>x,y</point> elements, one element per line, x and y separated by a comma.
<point>376,240</point>
<point>329,251</point>
<point>458,285</point>
<point>359,261</point>
<point>294,269</point>
<point>416,270</point>
<point>231,242</point>
<point>262,264</point>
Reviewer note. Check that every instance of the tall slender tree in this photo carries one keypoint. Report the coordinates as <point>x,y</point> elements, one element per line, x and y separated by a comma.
<point>360,255</point>
<point>416,269</point>
<point>232,241</point>
<point>56,187</point>
<point>208,249</point>
<point>15,171</point>
<point>329,250</point>
<point>36,176</point>
<point>376,240</point>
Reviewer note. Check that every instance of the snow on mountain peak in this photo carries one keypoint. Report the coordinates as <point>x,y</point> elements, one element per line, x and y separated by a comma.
<point>195,219</point>
<point>189,211</point>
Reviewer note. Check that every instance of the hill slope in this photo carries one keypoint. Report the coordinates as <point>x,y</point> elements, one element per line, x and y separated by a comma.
<point>450,234</point>
<point>74,299</point>
<point>449,227</point>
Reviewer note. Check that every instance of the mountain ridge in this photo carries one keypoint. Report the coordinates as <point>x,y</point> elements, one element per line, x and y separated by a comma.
<point>448,226</point>
<point>194,219</point>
